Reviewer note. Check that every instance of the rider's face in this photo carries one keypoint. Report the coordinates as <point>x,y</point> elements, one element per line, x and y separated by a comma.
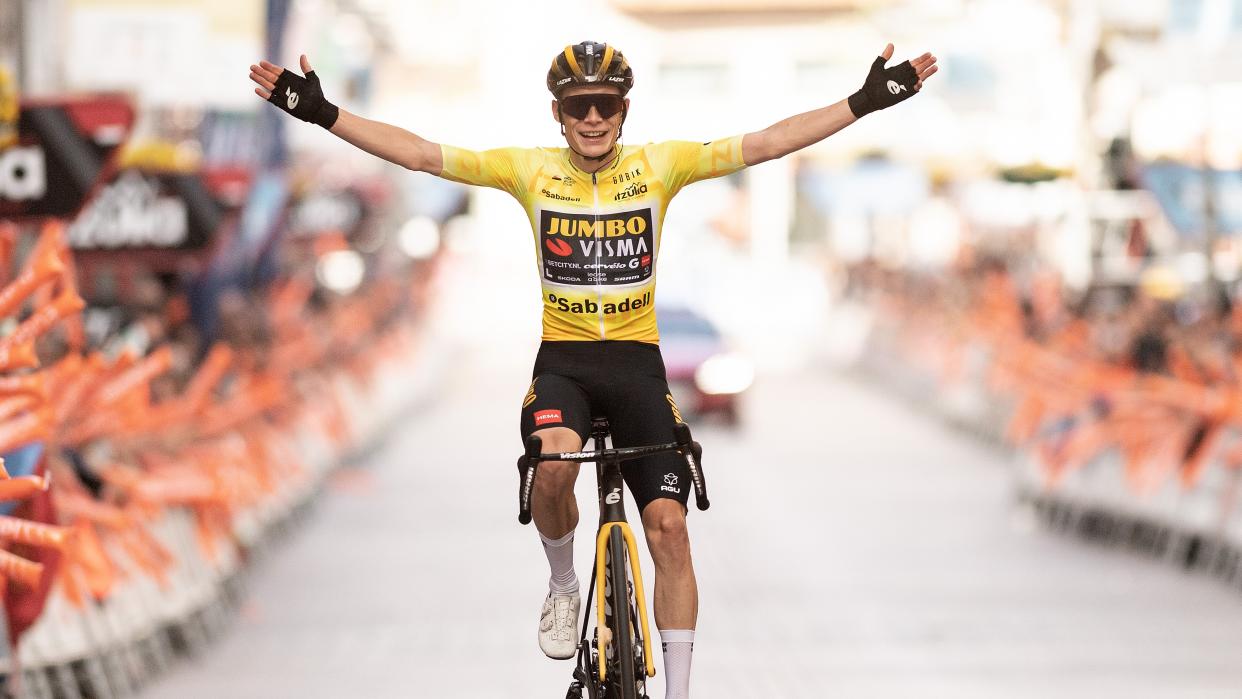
<point>592,135</point>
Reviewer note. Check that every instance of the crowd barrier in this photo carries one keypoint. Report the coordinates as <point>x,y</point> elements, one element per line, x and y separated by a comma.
<point>128,545</point>
<point>1148,462</point>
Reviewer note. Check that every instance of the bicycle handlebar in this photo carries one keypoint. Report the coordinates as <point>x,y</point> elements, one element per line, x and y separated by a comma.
<point>685,445</point>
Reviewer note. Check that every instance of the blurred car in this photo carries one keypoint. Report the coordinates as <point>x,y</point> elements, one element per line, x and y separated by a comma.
<point>705,376</point>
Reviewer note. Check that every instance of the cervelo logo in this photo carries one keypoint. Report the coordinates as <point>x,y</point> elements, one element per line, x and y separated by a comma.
<point>894,88</point>
<point>23,173</point>
<point>292,98</point>
<point>614,497</point>
<point>544,417</point>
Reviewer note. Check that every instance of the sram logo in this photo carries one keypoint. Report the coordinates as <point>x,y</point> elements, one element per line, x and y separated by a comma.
<point>23,173</point>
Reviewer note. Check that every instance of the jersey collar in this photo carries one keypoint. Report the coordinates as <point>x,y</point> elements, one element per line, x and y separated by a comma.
<point>616,161</point>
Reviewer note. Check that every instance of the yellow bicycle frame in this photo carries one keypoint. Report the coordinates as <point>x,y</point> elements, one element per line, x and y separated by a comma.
<point>640,596</point>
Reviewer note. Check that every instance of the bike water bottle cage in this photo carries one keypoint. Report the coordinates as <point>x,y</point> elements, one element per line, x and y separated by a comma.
<point>303,98</point>
<point>884,87</point>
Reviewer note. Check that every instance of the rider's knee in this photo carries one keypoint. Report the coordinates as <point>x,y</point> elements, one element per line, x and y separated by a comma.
<point>666,529</point>
<point>556,476</point>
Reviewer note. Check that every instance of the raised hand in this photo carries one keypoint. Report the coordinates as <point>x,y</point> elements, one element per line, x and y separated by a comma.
<point>885,87</point>
<point>300,96</point>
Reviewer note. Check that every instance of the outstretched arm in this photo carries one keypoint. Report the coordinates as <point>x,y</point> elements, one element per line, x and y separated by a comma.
<point>884,87</point>
<point>303,98</point>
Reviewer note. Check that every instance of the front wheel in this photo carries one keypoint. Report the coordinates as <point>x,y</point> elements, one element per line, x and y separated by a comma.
<point>620,655</point>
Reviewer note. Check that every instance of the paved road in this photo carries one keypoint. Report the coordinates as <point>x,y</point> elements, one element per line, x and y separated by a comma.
<point>855,549</point>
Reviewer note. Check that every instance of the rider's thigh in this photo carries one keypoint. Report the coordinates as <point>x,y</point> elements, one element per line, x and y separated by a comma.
<point>555,401</point>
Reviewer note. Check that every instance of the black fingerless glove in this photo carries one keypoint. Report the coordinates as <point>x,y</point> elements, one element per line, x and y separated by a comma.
<point>884,87</point>
<point>303,98</point>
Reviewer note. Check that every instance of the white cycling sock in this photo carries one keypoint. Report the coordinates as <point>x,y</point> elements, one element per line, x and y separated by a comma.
<point>678,652</point>
<point>561,559</point>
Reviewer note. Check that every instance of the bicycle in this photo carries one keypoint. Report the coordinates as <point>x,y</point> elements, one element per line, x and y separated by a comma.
<point>617,587</point>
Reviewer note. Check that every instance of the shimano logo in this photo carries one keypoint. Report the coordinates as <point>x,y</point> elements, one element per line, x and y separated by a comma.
<point>292,98</point>
<point>894,88</point>
<point>23,173</point>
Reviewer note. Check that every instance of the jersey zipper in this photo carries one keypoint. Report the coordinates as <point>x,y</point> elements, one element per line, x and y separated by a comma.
<point>599,242</point>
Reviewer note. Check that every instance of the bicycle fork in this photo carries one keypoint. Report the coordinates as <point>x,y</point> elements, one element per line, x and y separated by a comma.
<point>640,595</point>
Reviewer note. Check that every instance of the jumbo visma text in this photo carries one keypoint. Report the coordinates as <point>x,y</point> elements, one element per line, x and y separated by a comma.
<point>612,227</point>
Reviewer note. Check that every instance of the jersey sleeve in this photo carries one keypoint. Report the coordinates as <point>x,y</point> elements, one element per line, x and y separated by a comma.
<point>686,162</point>
<point>500,168</point>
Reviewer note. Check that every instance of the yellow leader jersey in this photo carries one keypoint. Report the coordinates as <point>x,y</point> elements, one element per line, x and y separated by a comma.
<point>597,236</point>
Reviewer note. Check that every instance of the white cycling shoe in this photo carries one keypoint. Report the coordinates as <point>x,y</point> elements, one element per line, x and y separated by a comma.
<point>558,625</point>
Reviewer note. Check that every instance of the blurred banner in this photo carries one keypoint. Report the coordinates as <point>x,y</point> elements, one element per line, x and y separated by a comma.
<point>69,142</point>
<point>148,210</point>
<point>168,52</point>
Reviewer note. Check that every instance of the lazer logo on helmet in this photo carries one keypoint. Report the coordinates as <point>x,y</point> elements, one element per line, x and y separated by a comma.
<point>590,306</point>
<point>609,249</point>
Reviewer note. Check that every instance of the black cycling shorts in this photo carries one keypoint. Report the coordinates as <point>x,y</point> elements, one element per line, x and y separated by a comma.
<point>623,381</point>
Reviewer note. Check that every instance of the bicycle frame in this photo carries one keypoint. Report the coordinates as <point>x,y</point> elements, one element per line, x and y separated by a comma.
<point>612,517</point>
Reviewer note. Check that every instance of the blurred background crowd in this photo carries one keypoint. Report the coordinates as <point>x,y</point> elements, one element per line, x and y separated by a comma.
<point>1055,219</point>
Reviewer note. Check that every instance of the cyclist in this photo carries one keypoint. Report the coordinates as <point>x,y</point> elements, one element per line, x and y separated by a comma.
<point>596,209</point>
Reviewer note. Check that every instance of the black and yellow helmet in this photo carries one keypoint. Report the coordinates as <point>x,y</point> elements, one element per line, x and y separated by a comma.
<point>589,63</point>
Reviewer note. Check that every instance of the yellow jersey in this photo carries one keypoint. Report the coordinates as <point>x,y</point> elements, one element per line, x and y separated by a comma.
<point>597,235</point>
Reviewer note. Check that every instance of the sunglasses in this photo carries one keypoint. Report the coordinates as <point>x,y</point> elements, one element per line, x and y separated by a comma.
<point>579,106</point>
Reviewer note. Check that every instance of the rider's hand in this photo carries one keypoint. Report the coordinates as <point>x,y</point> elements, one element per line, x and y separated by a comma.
<point>888,86</point>
<point>301,97</point>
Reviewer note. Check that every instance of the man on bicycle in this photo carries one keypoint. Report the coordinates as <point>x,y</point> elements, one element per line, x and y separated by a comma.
<point>596,209</point>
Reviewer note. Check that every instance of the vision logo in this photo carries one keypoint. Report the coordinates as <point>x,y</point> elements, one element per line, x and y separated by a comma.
<point>558,247</point>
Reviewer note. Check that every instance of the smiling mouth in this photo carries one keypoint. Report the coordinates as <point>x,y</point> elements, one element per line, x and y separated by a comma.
<point>592,134</point>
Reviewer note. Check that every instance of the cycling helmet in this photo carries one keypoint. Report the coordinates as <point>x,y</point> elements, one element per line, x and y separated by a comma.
<point>589,63</point>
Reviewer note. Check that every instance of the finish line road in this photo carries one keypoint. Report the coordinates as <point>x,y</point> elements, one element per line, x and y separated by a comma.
<point>854,548</point>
